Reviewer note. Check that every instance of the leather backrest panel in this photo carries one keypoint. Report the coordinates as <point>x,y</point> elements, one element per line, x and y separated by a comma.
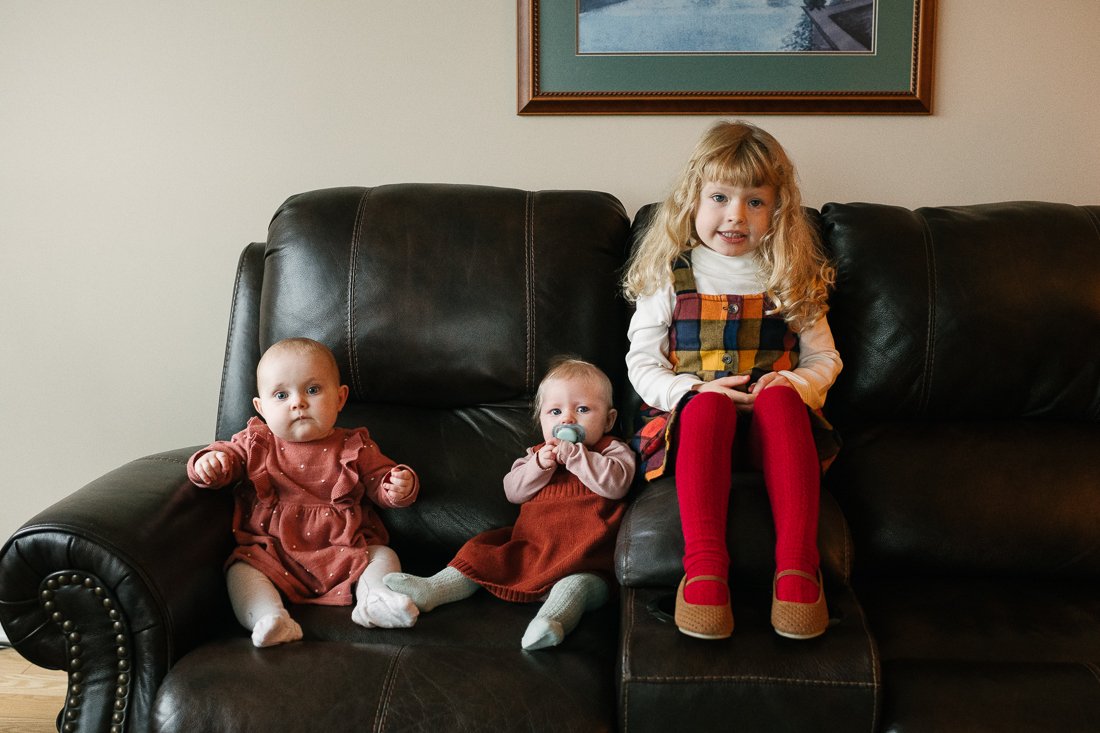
<point>444,305</point>
<point>966,312</point>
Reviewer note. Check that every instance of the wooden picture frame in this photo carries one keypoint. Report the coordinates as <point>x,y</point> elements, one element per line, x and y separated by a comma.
<point>891,76</point>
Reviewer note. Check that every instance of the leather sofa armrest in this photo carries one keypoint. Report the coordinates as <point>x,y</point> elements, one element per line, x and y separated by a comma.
<point>117,581</point>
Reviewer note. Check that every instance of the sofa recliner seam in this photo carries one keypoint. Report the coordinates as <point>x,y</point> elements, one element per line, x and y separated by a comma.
<point>528,288</point>
<point>353,256</point>
<point>627,632</point>
<point>930,340</point>
<point>751,678</point>
<point>387,690</point>
<point>1094,219</point>
<point>1093,668</point>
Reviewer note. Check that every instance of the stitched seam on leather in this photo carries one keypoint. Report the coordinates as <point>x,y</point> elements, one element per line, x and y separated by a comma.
<point>353,256</point>
<point>625,532</point>
<point>755,678</point>
<point>624,675</point>
<point>1095,221</point>
<point>387,690</point>
<point>229,337</point>
<point>174,460</point>
<point>847,549</point>
<point>529,267</point>
<point>872,650</point>
<point>929,357</point>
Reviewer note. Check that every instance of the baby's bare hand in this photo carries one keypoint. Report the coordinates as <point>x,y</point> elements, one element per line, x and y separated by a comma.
<point>563,450</point>
<point>547,456</point>
<point>400,484</point>
<point>214,468</point>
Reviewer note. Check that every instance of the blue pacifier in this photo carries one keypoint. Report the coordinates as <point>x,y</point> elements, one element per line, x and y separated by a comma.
<point>569,433</point>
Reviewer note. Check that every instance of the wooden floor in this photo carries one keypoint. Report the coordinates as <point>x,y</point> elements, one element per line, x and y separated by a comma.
<point>29,696</point>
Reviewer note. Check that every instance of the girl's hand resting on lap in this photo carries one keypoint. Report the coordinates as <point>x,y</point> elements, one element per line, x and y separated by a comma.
<point>728,386</point>
<point>771,379</point>
<point>743,400</point>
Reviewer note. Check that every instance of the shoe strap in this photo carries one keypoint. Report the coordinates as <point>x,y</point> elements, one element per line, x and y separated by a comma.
<point>717,578</point>
<point>815,579</point>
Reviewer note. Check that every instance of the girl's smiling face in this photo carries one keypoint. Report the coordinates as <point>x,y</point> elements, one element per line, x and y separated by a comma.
<point>732,220</point>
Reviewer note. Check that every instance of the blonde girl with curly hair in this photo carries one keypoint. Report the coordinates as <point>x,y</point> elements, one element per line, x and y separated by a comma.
<point>731,352</point>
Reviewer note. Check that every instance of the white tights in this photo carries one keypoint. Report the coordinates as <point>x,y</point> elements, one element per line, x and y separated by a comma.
<point>259,607</point>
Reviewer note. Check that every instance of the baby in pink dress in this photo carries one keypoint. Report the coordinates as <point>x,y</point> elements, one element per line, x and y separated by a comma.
<point>302,526</point>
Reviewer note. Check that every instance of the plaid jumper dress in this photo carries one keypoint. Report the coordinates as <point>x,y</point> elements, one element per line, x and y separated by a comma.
<point>715,336</point>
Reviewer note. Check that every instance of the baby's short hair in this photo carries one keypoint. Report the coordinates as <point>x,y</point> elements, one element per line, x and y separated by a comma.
<point>300,346</point>
<point>570,367</point>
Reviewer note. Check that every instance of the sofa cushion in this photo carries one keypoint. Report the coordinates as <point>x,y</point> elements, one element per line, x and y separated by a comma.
<point>460,668</point>
<point>382,688</point>
<point>970,396</point>
<point>985,311</point>
<point>990,698</point>
<point>755,680</point>
<point>972,497</point>
<point>439,295</point>
<point>986,654</point>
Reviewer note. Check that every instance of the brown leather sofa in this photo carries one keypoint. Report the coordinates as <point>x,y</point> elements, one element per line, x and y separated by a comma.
<point>960,525</point>
<point>958,533</point>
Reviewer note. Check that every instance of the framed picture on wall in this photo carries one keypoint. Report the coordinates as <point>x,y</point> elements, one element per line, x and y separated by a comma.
<point>725,56</point>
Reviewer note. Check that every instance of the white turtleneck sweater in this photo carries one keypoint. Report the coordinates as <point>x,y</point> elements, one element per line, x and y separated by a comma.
<point>650,370</point>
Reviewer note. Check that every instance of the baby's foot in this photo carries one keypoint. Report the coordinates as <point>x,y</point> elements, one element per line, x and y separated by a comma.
<point>446,586</point>
<point>419,590</point>
<point>385,608</point>
<point>275,628</point>
<point>542,632</point>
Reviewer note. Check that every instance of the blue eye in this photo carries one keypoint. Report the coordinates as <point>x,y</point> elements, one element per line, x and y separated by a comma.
<point>314,390</point>
<point>555,411</point>
<point>281,395</point>
<point>718,198</point>
<point>582,409</point>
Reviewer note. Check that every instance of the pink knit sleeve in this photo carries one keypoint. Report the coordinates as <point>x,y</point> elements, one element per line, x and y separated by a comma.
<point>608,474</point>
<point>526,478</point>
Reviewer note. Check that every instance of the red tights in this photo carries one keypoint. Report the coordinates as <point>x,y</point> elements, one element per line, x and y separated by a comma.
<point>782,446</point>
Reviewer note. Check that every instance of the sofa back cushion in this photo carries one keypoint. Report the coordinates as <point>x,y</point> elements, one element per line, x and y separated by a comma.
<point>986,311</point>
<point>970,396</point>
<point>444,305</point>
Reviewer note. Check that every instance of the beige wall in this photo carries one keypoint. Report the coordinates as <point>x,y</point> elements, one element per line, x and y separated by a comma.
<point>143,144</point>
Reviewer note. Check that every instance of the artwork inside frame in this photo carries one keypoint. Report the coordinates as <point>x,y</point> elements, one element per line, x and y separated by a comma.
<point>725,56</point>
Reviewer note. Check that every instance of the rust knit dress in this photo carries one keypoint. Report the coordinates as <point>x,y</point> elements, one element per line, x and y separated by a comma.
<point>565,528</point>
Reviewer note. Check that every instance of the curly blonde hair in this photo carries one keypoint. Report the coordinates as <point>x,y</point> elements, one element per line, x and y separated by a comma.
<point>740,154</point>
